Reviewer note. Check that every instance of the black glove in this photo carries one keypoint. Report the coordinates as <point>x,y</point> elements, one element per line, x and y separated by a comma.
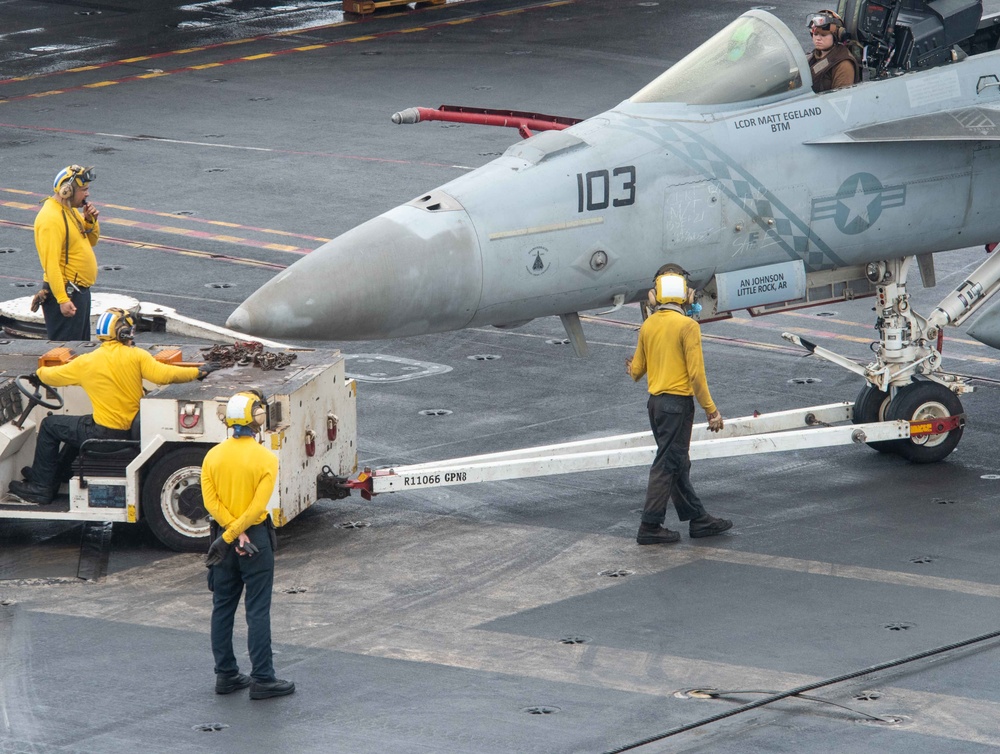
<point>249,549</point>
<point>216,552</point>
<point>33,380</point>
<point>207,368</point>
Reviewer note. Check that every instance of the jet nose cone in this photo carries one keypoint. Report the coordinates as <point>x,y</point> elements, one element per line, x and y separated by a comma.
<point>410,271</point>
<point>240,320</point>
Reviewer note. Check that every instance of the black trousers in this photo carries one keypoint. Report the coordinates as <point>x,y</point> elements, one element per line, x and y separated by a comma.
<point>58,327</point>
<point>671,417</point>
<point>51,465</point>
<point>229,578</point>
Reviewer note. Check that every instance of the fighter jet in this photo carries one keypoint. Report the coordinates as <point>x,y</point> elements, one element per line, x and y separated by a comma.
<point>711,166</point>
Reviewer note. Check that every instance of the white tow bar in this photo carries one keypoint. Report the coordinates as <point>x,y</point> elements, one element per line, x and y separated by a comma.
<point>797,429</point>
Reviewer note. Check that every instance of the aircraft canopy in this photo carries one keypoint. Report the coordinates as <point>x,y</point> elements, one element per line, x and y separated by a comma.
<point>755,56</point>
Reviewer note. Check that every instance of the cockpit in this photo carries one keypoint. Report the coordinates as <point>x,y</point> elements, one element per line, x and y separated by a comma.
<point>756,56</point>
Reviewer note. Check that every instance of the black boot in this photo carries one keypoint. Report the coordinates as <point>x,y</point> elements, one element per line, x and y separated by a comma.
<point>267,689</point>
<point>227,684</point>
<point>33,493</point>
<point>654,534</point>
<point>708,526</point>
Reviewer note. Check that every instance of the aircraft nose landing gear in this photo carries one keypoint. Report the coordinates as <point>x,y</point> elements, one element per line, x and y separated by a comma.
<point>906,381</point>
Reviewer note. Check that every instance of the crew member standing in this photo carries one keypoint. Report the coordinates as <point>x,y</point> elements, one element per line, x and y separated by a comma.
<point>831,63</point>
<point>669,354</point>
<point>66,231</point>
<point>237,478</point>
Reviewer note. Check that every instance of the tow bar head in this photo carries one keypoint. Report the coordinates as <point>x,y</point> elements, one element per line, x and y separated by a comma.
<point>330,486</point>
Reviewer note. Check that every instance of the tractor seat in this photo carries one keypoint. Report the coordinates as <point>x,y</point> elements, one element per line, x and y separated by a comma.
<point>105,457</point>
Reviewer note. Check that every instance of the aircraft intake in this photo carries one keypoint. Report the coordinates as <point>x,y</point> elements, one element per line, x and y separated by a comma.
<point>410,271</point>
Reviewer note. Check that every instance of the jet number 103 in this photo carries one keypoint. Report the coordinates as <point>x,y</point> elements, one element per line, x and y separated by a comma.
<point>600,189</point>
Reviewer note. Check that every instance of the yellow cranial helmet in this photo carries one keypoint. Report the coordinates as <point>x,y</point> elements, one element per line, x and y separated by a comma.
<point>71,176</point>
<point>671,288</point>
<point>246,409</point>
<point>115,324</point>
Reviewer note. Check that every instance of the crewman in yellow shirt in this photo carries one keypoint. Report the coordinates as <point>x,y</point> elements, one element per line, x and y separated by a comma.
<point>112,377</point>
<point>237,479</point>
<point>669,354</point>
<point>66,231</point>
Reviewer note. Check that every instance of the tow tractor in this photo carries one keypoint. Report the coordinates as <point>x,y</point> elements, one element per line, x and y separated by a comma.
<point>156,476</point>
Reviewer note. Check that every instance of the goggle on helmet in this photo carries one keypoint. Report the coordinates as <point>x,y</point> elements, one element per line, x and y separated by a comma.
<point>825,20</point>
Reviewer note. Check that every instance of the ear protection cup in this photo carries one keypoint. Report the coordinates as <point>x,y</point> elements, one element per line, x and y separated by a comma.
<point>64,184</point>
<point>259,408</point>
<point>259,412</point>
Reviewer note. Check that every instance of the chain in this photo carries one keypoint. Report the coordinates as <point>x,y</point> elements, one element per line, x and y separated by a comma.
<point>247,353</point>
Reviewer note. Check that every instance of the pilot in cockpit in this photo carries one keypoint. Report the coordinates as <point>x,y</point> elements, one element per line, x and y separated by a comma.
<point>831,62</point>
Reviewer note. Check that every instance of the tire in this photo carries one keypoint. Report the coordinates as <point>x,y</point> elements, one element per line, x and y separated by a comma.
<point>172,503</point>
<point>870,406</point>
<point>925,400</point>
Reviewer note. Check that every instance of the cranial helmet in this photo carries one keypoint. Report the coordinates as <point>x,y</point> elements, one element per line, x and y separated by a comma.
<point>671,285</point>
<point>828,21</point>
<point>71,176</point>
<point>115,324</point>
<point>246,409</point>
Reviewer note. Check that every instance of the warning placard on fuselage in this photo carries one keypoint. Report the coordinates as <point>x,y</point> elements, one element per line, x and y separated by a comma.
<point>757,286</point>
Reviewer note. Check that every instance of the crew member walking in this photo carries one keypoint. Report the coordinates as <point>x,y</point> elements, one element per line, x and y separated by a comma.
<point>66,231</point>
<point>669,354</point>
<point>237,478</point>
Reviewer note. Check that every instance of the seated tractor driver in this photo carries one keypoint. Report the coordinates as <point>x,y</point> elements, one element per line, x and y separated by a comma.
<point>112,377</point>
<point>832,64</point>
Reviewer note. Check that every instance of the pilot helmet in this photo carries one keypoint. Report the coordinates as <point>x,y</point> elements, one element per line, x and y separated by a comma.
<point>827,21</point>
<point>115,324</point>
<point>246,409</point>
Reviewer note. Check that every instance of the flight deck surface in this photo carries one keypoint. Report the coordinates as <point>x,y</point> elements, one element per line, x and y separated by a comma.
<point>518,616</point>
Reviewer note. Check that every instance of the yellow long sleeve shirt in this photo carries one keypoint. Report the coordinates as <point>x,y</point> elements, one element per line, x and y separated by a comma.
<point>60,265</point>
<point>669,354</point>
<point>112,375</point>
<point>237,478</point>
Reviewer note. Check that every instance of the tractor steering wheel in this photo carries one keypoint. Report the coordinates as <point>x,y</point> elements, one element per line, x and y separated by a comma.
<point>35,397</point>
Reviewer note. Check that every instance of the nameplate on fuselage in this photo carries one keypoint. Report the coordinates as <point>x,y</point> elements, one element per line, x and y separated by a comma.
<point>757,286</point>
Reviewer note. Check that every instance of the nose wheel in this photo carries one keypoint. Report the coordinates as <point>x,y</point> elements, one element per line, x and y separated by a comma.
<point>870,406</point>
<point>921,402</point>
